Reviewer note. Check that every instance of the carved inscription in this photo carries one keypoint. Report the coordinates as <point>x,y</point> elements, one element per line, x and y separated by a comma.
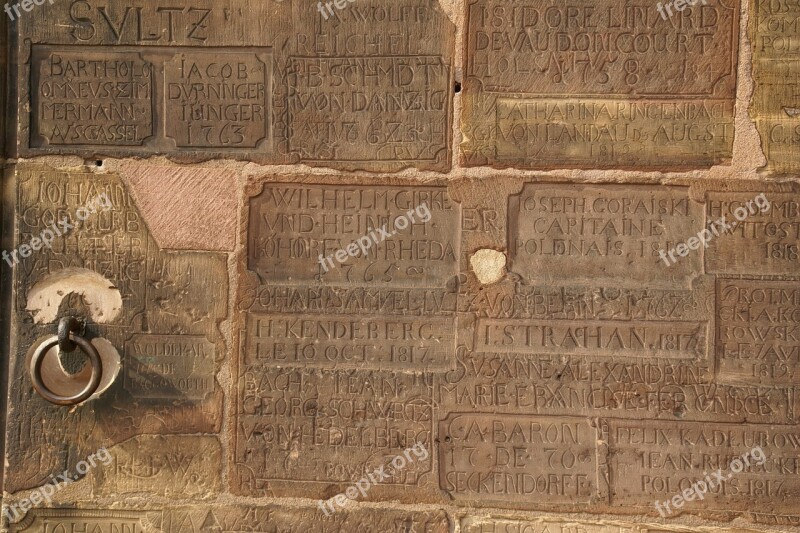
<point>178,367</point>
<point>758,337</point>
<point>763,243</point>
<point>409,235</point>
<point>588,232</point>
<point>368,88</point>
<point>517,458</point>
<point>364,109</point>
<point>334,358</point>
<point>74,520</point>
<point>602,85</point>
<point>622,389</point>
<point>81,98</point>
<point>656,460</point>
<point>396,241</point>
<point>776,71</point>
<point>218,99</point>
<point>272,518</point>
<point>342,340</point>
<point>167,465</point>
<point>622,339</point>
<point>166,329</point>
<point>211,99</point>
<point>343,424</point>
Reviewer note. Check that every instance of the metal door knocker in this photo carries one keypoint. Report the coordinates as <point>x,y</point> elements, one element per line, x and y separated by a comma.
<point>70,337</point>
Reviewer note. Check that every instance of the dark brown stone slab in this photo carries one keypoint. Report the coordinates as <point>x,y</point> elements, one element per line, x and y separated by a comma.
<point>366,87</point>
<point>775,106</point>
<point>606,85</point>
<point>165,329</point>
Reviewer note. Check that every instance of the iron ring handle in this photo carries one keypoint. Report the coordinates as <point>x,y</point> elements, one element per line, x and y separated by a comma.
<point>94,380</point>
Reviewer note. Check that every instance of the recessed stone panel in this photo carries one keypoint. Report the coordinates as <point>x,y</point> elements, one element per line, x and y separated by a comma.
<point>757,337</point>
<point>494,458</point>
<point>186,466</point>
<point>351,251</point>
<point>599,86</point>
<point>103,98</point>
<point>775,106</point>
<point>762,237</point>
<point>170,366</point>
<point>166,329</point>
<point>367,86</point>
<point>608,234</point>
<point>270,518</point>
<point>741,465</point>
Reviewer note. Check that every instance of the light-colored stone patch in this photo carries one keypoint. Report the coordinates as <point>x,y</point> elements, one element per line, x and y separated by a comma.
<point>104,300</point>
<point>489,265</point>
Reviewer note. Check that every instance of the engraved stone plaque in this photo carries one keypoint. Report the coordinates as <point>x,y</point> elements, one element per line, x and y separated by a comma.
<point>775,106</point>
<point>368,87</point>
<point>187,466</point>
<point>218,99</point>
<point>170,366</point>
<point>104,98</point>
<point>52,520</point>
<point>165,329</point>
<point>348,294</point>
<point>350,251</point>
<point>757,337</point>
<point>764,238</point>
<point>605,85</point>
<point>657,460</point>
<point>517,458</point>
<point>563,232</point>
<point>272,518</point>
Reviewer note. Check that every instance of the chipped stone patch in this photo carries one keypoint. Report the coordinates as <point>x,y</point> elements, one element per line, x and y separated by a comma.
<point>488,265</point>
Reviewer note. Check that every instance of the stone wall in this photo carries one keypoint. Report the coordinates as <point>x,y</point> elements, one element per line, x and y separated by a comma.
<point>477,266</point>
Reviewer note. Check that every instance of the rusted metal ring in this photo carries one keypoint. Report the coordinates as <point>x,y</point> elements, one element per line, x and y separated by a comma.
<point>94,380</point>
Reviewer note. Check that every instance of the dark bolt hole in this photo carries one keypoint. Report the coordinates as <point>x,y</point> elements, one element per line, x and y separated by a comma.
<point>458,87</point>
<point>98,163</point>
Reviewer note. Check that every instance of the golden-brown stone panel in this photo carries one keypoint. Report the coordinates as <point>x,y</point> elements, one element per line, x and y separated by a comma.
<point>609,85</point>
<point>166,328</point>
<point>775,105</point>
<point>365,87</point>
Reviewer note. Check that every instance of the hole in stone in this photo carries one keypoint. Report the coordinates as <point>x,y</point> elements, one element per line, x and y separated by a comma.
<point>98,163</point>
<point>458,87</point>
<point>488,265</point>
